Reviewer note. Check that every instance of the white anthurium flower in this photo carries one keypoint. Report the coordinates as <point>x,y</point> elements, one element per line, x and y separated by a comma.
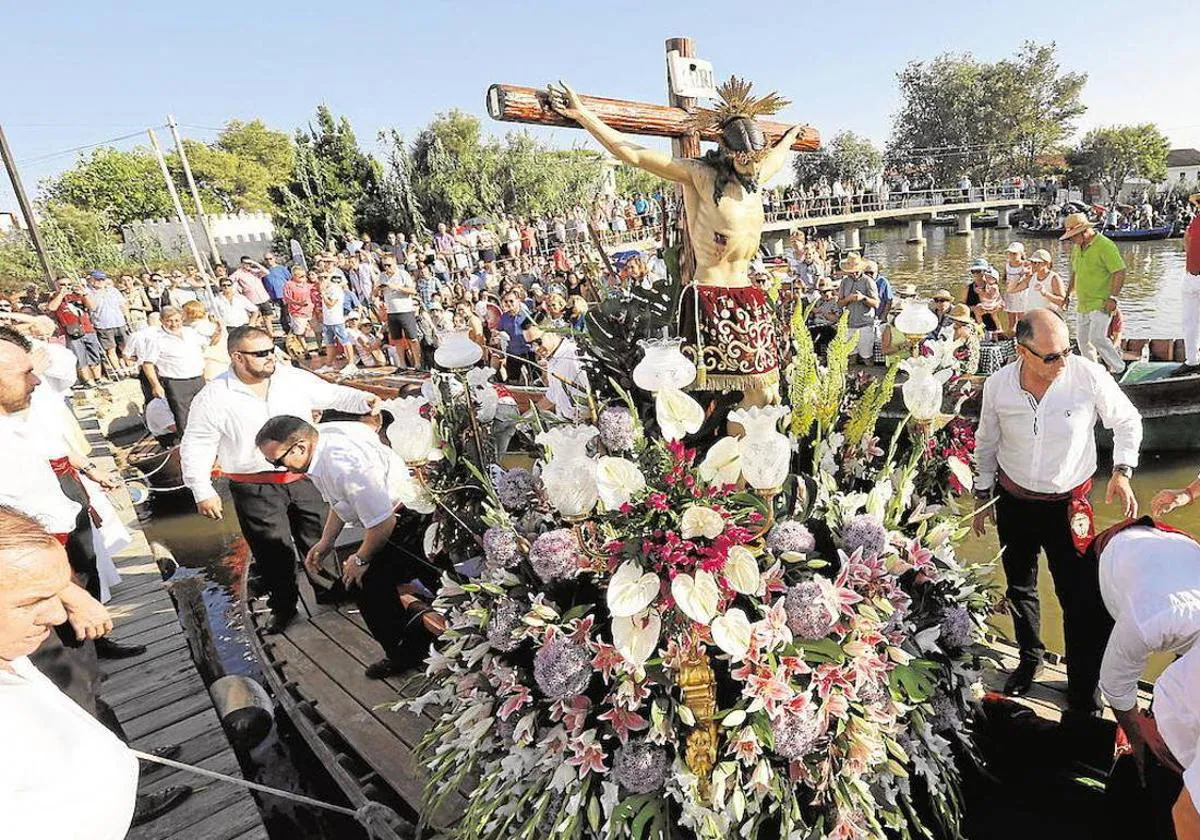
<point>741,570</point>
<point>878,498</point>
<point>731,633</point>
<point>618,480</point>
<point>723,463</point>
<point>697,596</point>
<point>962,472</point>
<point>413,495</point>
<point>636,637</point>
<point>630,590</point>
<point>701,521</point>
<point>678,414</point>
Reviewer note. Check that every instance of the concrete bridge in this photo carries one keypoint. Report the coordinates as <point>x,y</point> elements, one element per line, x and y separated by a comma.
<point>853,213</point>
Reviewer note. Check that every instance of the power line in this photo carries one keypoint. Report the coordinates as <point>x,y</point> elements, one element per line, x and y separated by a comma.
<point>82,148</point>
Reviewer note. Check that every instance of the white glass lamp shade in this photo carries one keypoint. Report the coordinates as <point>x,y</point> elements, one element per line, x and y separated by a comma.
<point>457,350</point>
<point>916,319</point>
<point>765,453</point>
<point>922,395</point>
<point>570,475</point>
<point>663,365</point>
<point>410,434</point>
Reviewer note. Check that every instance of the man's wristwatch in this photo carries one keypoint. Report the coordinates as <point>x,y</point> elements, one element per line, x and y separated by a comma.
<point>358,561</point>
<point>1123,469</point>
<point>983,494</point>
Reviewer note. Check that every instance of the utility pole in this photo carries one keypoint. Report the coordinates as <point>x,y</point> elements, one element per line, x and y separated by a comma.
<point>27,212</point>
<point>183,220</point>
<point>191,182</point>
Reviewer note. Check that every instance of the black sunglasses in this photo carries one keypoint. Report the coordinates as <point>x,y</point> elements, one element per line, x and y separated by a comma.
<point>258,354</point>
<point>1049,358</point>
<point>278,462</point>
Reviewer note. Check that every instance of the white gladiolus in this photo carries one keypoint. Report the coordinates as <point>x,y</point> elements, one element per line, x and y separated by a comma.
<point>723,463</point>
<point>678,414</point>
<point>697,596</point>
<point>731,633</point>
<point>630,591</point>
<point>618,480</point>
<point>741,570</point>
<point>636,637</point>
<point>700,521</point>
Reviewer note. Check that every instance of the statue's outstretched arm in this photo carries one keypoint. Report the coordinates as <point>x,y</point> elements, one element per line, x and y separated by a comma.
<point>774,159</point>
<point>566,102</point>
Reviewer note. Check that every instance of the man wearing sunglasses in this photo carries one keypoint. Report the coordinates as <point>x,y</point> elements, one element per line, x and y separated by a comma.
<point>1036,450</point>
<point>280,512</point>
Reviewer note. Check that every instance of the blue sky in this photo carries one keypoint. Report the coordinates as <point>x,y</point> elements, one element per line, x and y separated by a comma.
<point>108,69</point>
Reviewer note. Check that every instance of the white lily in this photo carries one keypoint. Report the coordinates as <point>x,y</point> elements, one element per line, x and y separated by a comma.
<point>723,463</point>
<point>630,591</point>
<point>636,637</point>
<point>731,633</point>
<point>413,495</point>
<point>962,472</point>
<point>697,596</point>
<point>678,414</point>
<point>741,570</point>
<point>700,521</point>
<point>618,480</point>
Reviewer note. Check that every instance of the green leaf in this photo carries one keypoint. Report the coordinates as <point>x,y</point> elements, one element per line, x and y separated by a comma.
<point>821,650</point>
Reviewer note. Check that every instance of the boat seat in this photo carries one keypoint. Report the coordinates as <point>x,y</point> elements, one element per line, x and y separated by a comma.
<point>1131,348</point>
<point>1162,349</point>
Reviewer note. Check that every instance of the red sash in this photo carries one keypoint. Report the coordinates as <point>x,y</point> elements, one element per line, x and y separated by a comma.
<point>63,467</point>
<point>1102,539</point>
<point>1081,519</point>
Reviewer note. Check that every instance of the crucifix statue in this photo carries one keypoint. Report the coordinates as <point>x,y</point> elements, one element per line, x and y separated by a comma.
<point>723,315</point>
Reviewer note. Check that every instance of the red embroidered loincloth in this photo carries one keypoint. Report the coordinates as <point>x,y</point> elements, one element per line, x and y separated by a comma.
<point>739,347</point>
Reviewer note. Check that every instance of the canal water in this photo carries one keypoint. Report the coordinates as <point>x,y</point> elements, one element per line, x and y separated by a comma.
<point>1150,303</point>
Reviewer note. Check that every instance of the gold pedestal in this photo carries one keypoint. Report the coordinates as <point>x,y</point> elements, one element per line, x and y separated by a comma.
<point>698,685</point>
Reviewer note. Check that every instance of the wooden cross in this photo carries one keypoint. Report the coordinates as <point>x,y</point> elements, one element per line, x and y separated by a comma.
<point>512,103</point>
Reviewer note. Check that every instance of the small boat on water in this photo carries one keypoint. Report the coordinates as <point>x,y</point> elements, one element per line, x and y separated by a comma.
<point>1129,235</point>
<point>1047,232</point>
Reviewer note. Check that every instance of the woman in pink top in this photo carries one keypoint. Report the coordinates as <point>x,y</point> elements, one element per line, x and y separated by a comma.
<point>298,298</point>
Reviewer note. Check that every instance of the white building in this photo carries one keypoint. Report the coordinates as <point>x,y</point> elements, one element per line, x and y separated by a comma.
<point>10,222</point>
<point>235,234</point>
<point>1183,166</point>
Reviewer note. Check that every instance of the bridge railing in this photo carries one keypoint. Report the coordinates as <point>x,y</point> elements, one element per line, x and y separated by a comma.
<point>823,206</point>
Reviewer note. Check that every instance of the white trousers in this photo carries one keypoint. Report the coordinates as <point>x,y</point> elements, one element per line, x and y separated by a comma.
<point>1191,317</point>
<point>1091,330</point>
<point>866,342</point>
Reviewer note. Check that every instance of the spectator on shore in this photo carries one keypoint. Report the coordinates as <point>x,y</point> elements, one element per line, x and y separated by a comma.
<point>333,322</point>
<point>231,307</point>
<point>174,364</point>
<point>859,296</point>
<point>70,306</point>
<point>275,281</point>
<point>298,294</point>
<point>249,278</point>
<point>110,317</point>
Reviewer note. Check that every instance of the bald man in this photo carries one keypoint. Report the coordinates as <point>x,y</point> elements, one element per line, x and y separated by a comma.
<point>1035,450</point>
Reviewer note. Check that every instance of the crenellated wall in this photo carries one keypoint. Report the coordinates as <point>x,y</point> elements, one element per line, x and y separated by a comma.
<point>235,234</point>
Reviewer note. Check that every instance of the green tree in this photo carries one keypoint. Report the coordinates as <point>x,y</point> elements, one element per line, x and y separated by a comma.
<point>77,240</point>
<point>534,180</point>
<point>848,158</point>
<point>454,168</point>
<point>1113,155</point>
<point>631,180</point>
<point>238,171</point>
<point>125,185</point>
<point>962,116</point>
<point>403,207</point>
<point>334,190</point>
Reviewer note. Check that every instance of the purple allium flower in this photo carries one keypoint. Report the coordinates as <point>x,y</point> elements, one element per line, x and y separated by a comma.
<point>790,535</point>
<point>795,733</point>
<point>640,767</point>
<point>866,532</point>
<point>555,555</point>
<point>958,629</point>
<point>562,668</point>
<point>944,712</point>
<point>500,547</point>
<point>617,429</point>
<point>872,692</point>
<point>505,618</point>
<point>810,615</point>
<point>514,487</point>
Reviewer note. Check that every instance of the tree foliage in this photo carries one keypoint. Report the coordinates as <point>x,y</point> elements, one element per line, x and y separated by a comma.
<point>631,180</point>
<point>238,171</point>
<point>124,185</point>
<point>77,240</point>
<point>334,190</point>
<point>848,158</point>
<point>986,120</point>
<point>1113,155</point>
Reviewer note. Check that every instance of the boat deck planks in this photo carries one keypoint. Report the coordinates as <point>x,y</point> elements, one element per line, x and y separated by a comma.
<point>160,699</point>
<point>324,656</point>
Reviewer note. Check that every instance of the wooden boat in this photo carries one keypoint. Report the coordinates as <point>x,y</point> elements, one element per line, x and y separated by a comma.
<point>1030,230</point>
<point>985,220</point>
<point>160,468</point>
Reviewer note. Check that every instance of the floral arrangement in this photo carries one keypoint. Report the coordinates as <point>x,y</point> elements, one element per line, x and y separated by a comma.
<point>772,638</point>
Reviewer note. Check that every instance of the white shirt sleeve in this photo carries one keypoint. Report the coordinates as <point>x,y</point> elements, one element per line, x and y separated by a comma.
<point>198,451</point>
<point>987,437</point>
<point>326,395</point>
<point>1118,414</point>
<point>1124,661</point>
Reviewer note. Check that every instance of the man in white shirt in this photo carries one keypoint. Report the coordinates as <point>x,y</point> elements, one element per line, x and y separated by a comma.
<point>1036,440</point>
<point>566,380</point>
<point>366,484</point>
<point>174,364</point>
<point>333,321</point>
<point>399,293</point>
<point>137,348</point>
<point>1177,713</point>
<point>280,513</point>
<point>232,307</point>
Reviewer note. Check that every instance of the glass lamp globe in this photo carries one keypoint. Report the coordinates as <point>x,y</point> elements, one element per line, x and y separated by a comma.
<point>570,475</point>
<point>456,350</point>
<point>765,453</point>
<point>922,395</point>
<point>663,366</point>
<point>916,320</point>
<point>410,434</point>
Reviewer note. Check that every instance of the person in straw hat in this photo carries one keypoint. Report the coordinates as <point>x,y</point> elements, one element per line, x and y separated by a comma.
<point>1043,287</point>
<point>1098,275</point>
<point>965,333</point>
<point>860,296</point>
<point>1016,269</point>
